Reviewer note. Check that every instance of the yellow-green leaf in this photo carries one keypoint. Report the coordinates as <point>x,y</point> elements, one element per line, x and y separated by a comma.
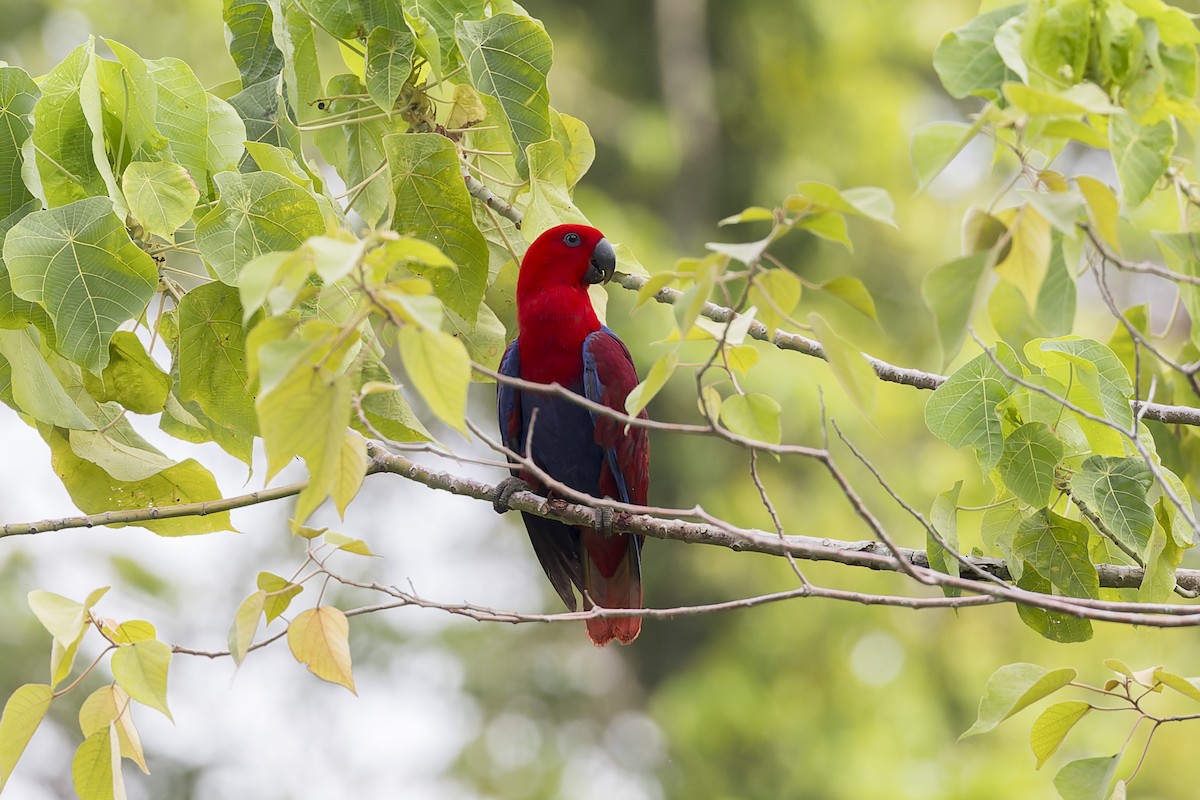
<point>245,624</point>
<point>141,670</point>
<point>755,416</point>
<point>440,369</point>
<point>279,593</point>
<point>849,366</point>
<point>656,379</point>
<point>1052,727</point>
<point>110,704</point>
<point>22,714</point>
<point>96,768</point>
<point>320,639</point>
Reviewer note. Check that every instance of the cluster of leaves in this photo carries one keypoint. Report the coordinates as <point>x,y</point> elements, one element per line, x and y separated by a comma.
<point>765,294</point>
<point>280,306</point>
<point>1079,480</point>
<point>1014,687</point>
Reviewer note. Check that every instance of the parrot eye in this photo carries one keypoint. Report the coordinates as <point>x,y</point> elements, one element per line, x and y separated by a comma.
<point>572,239</point>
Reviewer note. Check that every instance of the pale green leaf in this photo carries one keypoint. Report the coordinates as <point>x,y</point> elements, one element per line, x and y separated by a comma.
<point>23,713</point>
<point>1087,778</point>
<point>967,61</point>
<point>35,388</point>
<point>949,292</point>
<point>110,705</point>
<point>440,370</point>
<point>850,367</point>
<point>754,416</point>
<point>944,519</point>
<point>245,624</point>
<point>640,396</point>
<point>161,195</point>
<point>935,145</point>
<point>1141,154</point>
<point>141,670</point>
<point>1012,688</point>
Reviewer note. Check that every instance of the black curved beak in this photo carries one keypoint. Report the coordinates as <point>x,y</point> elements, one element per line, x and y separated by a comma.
<point>603,263</point>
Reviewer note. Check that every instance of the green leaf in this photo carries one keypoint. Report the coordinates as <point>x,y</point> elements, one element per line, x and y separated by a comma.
<point>944,519</point>
<point>255,214</point>
<point>1097,381</point>
<point>245,624</point>
<point>319,639</point>
<point>18,94</point>
<point>204,133</point>
<point>850,367</point>
<point>354,19</point>
<point>161,195</point>
<point>250,43</point>
<point>1031,453</point>
<point>998,528</point>
<point>63,142</point>
<point>132,378</point>
<point>1115,489</point>
<point>966,60</point>
<point>386,408</point>
<point>1162,557</point>
<point>93,490</point>
<point>1057,548</point>
<point>78,262</point>
<point>508,57</point>
<point>1052,727</point>
<point>1012,688</point>
<point>279,594</point>
<point>388,65</point>
<point>550,201</point>
<point>432,203</point>
<point>962,411</point>
<point>437,29</point>
<point>1087,778</point>
<point>754,416</point>
<point>212,357</point>
<point>440,370</point>
<point>641,395</point>
<point>935,145</point>
<point>35,388</point>
<point>264,112</point>
<point>1141,154</point>
<point>305,414</point>
<point>485,340</point>
<point>853,293</point>
<point>949,292</point>
<point>96,768</point>
<point>1061,209</point>
<point>23,713</point>
<point>1055,308</point>
<point>141,670</point>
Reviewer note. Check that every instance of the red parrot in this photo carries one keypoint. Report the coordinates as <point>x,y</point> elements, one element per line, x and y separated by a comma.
<point>561,341</point>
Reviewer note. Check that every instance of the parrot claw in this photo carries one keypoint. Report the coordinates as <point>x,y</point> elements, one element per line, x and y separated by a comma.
<point>603,524</point>
<point>505,490</point>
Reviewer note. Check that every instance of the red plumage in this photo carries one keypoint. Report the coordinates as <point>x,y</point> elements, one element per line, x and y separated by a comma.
<point>562,341</point>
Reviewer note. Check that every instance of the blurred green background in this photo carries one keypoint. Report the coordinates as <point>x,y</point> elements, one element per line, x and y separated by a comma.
<point>698,109</point>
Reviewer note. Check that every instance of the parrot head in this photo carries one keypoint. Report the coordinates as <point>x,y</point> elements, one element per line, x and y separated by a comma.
<point>567,255</point>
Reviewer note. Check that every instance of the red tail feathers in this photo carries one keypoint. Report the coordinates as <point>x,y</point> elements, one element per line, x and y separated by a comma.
<point>612,578</point>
